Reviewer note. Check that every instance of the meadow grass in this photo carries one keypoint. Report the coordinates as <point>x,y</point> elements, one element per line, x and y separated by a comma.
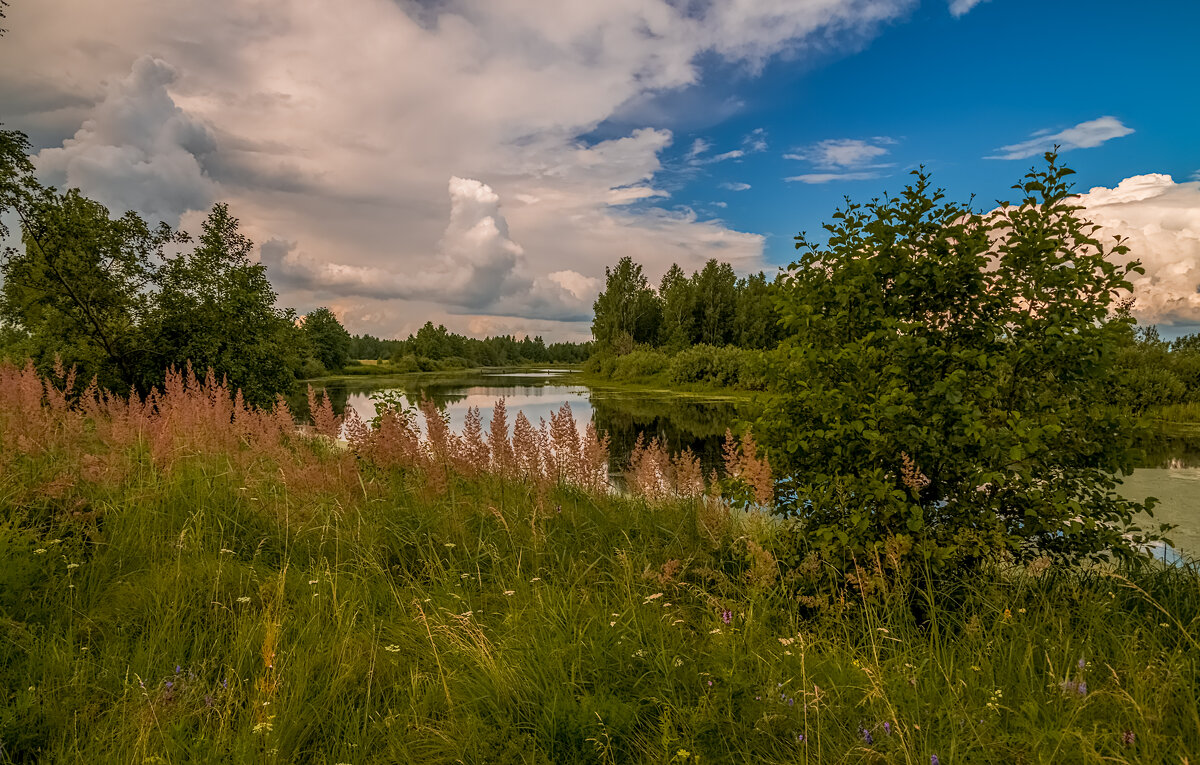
<point>189,599</point>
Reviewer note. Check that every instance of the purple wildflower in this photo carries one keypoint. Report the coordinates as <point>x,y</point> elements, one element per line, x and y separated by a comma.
<point>225,684</point>
<point>710,683</point>
<point>1081,663</point>
<point>800,738</point>
<point>1082,688</point>
<point>727,616</point>
<point>887,727</point>
<point>866,736</point>
<point>169,685</point>
<point>791,702</point>
<point>177,669</point>
<point>208,700</point>
<point>933,760</point>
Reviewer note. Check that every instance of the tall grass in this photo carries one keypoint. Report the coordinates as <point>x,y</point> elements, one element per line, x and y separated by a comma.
<point>188,580</point>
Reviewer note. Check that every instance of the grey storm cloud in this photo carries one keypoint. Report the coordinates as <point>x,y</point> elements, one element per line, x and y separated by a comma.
<point>138,150</point>
<point>477,268</point>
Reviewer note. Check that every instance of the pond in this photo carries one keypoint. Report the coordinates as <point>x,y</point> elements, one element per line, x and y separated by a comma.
<point>1171,469</point>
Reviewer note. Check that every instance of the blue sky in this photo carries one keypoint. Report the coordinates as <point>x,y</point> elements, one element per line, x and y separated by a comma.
<point>949,92</point>
<point>479,163</point>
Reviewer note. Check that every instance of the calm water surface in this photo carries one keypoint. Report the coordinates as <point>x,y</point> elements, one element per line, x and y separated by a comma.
<point>1171,470</point>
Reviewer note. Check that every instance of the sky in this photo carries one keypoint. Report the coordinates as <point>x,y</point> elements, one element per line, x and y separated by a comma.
<point>479,164</point>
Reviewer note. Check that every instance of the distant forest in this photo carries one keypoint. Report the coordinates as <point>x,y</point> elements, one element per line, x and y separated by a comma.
<point>432,347</point>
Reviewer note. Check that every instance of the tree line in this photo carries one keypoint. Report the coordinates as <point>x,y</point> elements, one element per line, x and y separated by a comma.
<point>433,347</point>
<point>710,307</point>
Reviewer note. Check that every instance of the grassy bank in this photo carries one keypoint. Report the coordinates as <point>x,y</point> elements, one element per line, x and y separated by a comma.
<point>176,590</point>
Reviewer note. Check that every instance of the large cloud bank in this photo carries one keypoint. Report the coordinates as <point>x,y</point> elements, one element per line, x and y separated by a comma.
<point>1161,221</point>
<point>335,133</point>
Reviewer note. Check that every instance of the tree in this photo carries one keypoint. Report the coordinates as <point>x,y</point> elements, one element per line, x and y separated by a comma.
<point>941,390</point>
<point>216,309</point>
<point>715,291</point>
<point>756,317</point>
<point>80,287</point>
<point>328,339</point>
<point>678,305</point>
<point>627,312</point>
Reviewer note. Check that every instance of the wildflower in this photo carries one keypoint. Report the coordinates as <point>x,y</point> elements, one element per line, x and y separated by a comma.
<point>1020,610</point>
<point>312,581</point>
<point>72,565</point>
<point>649,598</point>
<point>1007,614</point>
<point>208,701</point>
<point>536,579</point>
<point>792,703</point>
<point>1128,738</point>
<point>933,760</point>
<point>263,727</point>
<point>612,624</point>
<point>887,727</point>
<point>710,683</point>
<point>800,738</point>
<point>243,599</point>
<point>225,551</point>
<point>715,631</point>
<point>679,662</point>
<point>178,669</point>
<point>683,754</point>
<point>866,736</point>
<point>169,685</point>
<point>509,592</point>
<point>1082,688</point>
<point>727,616</point>
<point>787,641</point>
<point>1081,663</point>
<point>39,551</point>
<point>449,544</point>
<point>392,648</point>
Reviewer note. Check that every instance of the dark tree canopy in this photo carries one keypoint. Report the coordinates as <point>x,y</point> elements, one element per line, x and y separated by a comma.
<point>122,302</point>
<point>942,386</point>
<point>327,339</point>
<point>627,311</point>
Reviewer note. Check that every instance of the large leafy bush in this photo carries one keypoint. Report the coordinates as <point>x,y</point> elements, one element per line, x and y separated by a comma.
<point>941,392</point>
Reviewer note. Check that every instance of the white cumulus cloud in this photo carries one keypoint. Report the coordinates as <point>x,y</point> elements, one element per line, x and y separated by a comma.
<point>1161,220</point>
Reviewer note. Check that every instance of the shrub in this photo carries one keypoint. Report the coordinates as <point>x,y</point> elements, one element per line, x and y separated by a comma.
<point>639,364</point>
<point>943,390</point>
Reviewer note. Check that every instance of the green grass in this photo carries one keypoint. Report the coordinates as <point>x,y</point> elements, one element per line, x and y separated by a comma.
<point>214,613</point>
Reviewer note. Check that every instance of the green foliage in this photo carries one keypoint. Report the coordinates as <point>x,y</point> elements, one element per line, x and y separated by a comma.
<point>714,291</point>
<point>79,287</point>
<point>721,367</point>
<point>216,309</point>
<point>943,387</point>
<point>328,339</point>
<point>639,365</point>
<point>756,318</point>
<point>105,295</point>
<point>678,307</point>
<point>627,311</point>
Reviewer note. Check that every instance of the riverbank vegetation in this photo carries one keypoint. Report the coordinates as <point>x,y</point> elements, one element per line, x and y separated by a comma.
<point>198,581</point>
